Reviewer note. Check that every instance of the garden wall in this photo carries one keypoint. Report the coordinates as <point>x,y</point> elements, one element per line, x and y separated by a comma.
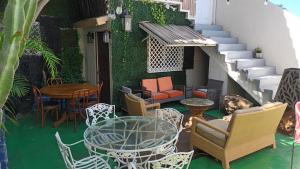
<point>129,52</point>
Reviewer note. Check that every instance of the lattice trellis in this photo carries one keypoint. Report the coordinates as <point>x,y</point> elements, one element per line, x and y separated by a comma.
<point>163,58</point>
<point>35,33</point>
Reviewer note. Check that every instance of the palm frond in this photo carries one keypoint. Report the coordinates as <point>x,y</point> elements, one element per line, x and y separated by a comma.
<point>20,86</point>
<point>49,57</point>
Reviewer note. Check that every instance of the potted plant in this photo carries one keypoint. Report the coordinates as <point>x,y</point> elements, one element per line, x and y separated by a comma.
<point>258,52</point>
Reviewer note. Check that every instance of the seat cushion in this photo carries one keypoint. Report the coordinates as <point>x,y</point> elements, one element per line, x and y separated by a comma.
<point>213,135</point>
<point>165,83</point>
<point>159,96</point>
<point>200,93</point>
<point>173,93</point>
<point>150,84</point>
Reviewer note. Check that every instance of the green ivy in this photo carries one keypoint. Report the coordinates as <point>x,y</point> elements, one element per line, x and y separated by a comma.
<point>129,52</point>
<point>71,67</point>
<point>158,12</point>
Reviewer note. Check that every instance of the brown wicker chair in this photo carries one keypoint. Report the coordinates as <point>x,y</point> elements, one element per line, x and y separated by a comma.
<point>247,132</point>
<point>136,106</point>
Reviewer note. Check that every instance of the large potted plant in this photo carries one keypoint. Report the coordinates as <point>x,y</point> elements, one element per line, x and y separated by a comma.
<point>18,18</point>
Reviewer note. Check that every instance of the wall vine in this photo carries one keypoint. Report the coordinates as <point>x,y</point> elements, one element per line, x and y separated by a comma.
<point>158,12</point>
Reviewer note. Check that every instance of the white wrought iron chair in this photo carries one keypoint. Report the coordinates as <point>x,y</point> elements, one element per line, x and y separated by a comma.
<point>99,111</point>
<point>173,161</point>
<point>174,117</point>
<point>91,162</point>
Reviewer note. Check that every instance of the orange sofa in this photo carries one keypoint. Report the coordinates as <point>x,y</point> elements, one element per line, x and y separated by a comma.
<point>161,90</point>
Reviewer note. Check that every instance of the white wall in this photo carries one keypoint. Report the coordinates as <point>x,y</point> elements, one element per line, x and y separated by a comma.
<point>270,27</point>
<point>89,57</point>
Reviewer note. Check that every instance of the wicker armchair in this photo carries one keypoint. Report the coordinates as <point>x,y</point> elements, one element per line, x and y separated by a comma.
<point>136,106</point>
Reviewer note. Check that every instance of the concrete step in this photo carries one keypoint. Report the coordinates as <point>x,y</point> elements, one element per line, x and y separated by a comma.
<point>237,54</point>
<point>234,47</point>
<point>255,72</point>
<point>267,80</point>
<point>247,63</point>
<point>200,27</point>
<point>209,33</point>
<point>271,88</point>
<point>222,40</point>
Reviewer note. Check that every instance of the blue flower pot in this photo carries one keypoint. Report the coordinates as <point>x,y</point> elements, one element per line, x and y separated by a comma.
<point>3,152</point>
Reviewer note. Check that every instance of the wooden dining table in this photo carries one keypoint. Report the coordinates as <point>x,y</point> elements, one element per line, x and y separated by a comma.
<point>65,92</point>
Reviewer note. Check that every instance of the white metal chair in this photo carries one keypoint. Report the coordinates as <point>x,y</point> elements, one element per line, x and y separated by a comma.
<point>173,161</point>
<point>171,115</point>
<point>174,117</point>
<point>99,111</point>
<point>91,162</point>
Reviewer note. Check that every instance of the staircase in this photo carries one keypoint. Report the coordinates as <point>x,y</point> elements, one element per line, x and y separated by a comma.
<point>252,74</point>
<point>186,6</point>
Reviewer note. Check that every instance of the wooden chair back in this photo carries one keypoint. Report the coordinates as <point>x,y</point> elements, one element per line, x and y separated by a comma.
<point>250,126</point>
<point>38,99</point>
<point>54,81</point>
<point>79,100</point>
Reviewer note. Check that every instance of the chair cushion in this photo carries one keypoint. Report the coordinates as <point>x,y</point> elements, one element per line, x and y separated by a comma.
<point>248,110</point>
<point>165,83</point>
<point>213,135</point>
<point>135,97</point>
<point>200,93</point>
<point>173,93</point>
<point>159,96</point>
<point>150,84</point>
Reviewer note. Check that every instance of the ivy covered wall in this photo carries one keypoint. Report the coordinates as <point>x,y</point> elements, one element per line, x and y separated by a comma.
<point>129,53</point>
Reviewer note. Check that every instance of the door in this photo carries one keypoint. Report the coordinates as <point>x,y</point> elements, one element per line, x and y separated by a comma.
<point>204,12</point>
<point>103,68</point>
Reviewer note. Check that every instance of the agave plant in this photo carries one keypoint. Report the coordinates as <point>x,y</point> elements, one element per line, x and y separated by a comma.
<point>18,18</point>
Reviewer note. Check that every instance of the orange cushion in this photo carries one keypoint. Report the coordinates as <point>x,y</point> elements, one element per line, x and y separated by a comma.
<point>150,84</point>
<point>173,93</point>
<point>159,96</point>
<point>200,94</point>
<point>165,83</point>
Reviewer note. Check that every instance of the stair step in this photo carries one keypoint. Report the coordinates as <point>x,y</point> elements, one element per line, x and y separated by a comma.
<point>200,27</point>
<point>247,63</point>
<point>209,33</point>
<point>267,80</point>
<point>270,88</point>
<point>236,47</point>
<point>255,72</point>
<point>225,40</point>
<point>237,54</point>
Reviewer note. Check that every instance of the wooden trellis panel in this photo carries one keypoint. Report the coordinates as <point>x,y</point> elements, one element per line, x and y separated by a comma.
<point>163,58</point>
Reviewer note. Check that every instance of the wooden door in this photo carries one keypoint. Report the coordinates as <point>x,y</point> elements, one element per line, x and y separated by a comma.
<point>104,68</point>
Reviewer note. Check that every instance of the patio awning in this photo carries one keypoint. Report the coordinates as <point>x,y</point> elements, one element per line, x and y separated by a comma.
<point>175,35</point>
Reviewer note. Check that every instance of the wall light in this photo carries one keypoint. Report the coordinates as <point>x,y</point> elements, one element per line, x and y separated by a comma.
<point>126,21</point>
<point>119,7</point>
<point>266,2</point>
<point>106,37</point>
<point>90,37</point>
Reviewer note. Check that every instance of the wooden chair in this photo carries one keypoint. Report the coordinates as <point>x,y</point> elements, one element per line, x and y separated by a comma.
<point>136,106</point>
<point>54,81</point>
<point>94,99</point>
<point>91,162</point>
<point>41,108</point>
<point>173,161</point>
<point>77,105</point>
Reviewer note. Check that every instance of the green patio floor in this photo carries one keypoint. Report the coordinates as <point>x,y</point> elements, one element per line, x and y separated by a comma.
<point>32,147</point>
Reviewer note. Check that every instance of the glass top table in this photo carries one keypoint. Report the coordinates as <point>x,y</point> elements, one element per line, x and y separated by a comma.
<point>130,137</point>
